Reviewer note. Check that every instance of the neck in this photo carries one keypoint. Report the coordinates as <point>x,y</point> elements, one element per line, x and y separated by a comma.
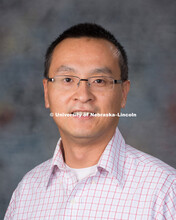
<point>81,153</point>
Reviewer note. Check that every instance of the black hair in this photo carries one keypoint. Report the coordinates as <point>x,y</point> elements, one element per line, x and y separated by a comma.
<point>88,30</point>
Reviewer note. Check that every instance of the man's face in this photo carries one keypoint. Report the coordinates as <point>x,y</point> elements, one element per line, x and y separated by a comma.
<point>85,57</point>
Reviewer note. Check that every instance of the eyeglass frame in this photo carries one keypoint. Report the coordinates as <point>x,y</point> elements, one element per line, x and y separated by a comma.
<point>115,81</point>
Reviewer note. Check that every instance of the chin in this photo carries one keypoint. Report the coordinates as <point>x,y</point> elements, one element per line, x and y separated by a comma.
<point>78,133</point>
<point>83,133</point>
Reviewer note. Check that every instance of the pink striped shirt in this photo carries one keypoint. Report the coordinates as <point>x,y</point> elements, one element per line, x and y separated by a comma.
<point>128,184</point>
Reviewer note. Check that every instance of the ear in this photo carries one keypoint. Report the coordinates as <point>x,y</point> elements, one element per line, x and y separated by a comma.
<point>125,90</point>
<point>45,86</point>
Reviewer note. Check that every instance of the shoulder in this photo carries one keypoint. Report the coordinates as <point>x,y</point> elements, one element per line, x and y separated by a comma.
<point>154,180</point>
<point>38,176</point>
<point>31,182</point>
<point>150,167</point>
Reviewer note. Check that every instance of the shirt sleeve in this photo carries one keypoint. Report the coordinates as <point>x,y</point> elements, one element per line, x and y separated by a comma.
<point>168,207</point>
<point>10,213</point>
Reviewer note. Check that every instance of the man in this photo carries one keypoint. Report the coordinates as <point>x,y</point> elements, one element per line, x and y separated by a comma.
<point>93,173</point>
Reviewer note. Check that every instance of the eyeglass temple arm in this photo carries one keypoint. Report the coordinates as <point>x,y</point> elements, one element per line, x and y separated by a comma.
<point>49,79</point>
<point>118,81</point>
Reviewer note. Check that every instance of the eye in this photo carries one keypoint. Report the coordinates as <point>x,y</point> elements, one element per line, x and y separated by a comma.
<point>67,80</point>
<point>99,81</point>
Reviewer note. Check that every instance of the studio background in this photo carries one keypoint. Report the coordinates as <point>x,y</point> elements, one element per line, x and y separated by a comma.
<point>28,134</point>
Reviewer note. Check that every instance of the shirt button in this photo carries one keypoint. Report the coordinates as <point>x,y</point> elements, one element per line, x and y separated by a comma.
<point>72,201</point>
<point>75,200</point>
<point>93,182</point>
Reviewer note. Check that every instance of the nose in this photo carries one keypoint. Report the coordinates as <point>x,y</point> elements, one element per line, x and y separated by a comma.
<point>83,93</point>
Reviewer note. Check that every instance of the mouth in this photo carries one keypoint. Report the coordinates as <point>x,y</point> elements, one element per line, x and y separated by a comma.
<point>82,114</point>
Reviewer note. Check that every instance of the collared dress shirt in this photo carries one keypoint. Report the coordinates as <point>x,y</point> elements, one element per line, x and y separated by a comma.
<point>127,184</point>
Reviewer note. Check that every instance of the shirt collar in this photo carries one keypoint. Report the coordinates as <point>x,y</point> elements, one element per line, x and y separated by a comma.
<point>113,157</point>
<point>57,161</point>
<point>112,160</point>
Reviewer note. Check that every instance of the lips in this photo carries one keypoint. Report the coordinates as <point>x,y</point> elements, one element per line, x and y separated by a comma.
<point>81,113</point>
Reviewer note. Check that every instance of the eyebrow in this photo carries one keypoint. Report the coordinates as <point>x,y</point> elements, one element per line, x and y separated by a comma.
<point>102,70</point>
<point>63,68</point>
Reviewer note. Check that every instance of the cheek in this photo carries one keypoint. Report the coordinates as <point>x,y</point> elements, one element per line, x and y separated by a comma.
<point>57,101</point>
<point>111,102</point>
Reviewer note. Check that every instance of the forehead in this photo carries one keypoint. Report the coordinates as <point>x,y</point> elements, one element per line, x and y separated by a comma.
<point>85,52</point>
<point>86,43</point>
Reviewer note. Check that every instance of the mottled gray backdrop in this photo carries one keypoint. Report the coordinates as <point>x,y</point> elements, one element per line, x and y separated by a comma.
<point>146,28</point>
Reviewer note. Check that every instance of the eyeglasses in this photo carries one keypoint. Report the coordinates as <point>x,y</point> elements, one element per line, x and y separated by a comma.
<point>96,83</point>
